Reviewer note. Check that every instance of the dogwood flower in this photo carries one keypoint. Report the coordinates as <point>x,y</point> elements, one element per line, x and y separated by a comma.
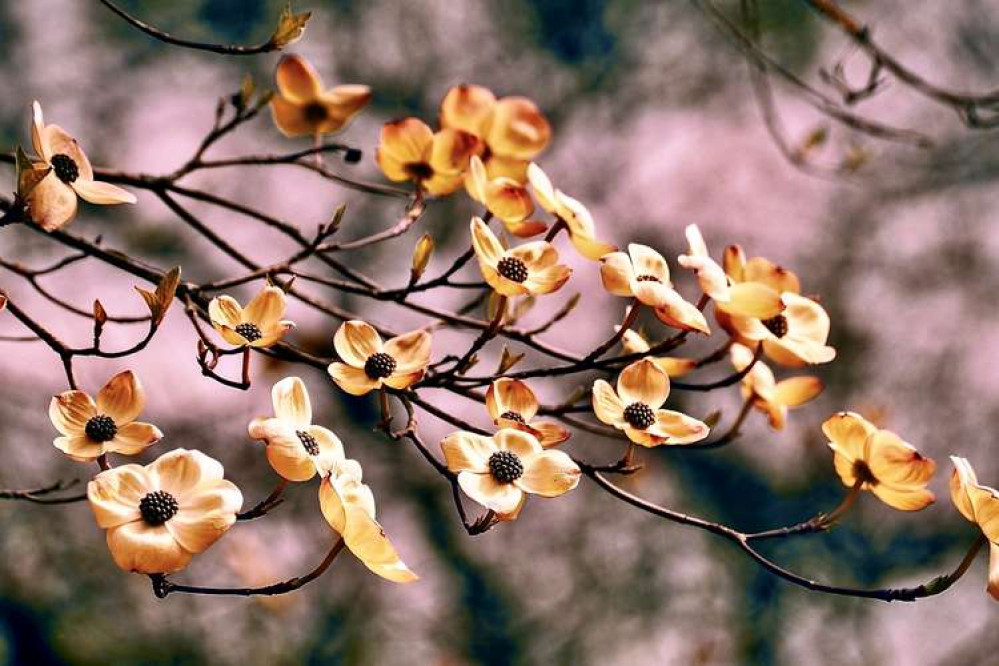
<point>512,404</point>
<point>296,449</point>
<point>258,325</point>
<point>505,198</point>
<point>980,505</point>
<point>349,507</point>
<point>531,268</point>
<point>90,429</point>
<point>301,107</point>
<point>500,471</point>
<point>577,219</point>
<point>367,364</point>
<point>634,407</point>
<point>160,515</point>
<point>769,396</point>
<point>409,150</point>
<point>633,343</point>
<point>880,461</point>
<point>52,201</point>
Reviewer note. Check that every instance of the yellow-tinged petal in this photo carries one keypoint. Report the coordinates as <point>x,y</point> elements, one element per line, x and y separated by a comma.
<point>753,299</point>
<point>181,471</point>
<point>291,402</point>
<point>549,433</point>
<point>487,248</point>
<point>903,499</point>
<point>796,352</point>
<point>79,447</point>
<point>680,314</point>
<point>993,585</point>
<point>806,319</point>
<point>617,273</point>
<point>776,277</point>
<point>606,404</point>
<point>406,141</point>
<point>509,201</point>
<point>549,474</point>
<point>60,142</point>
<point>145,549</point>
<point>467,107</point>
<point>297,81</point>
<point>403,380</point>
<point>225,311</point>
<point>476,179</point>
<point>367,541</point>
<point>115,494</point>
<point>543,189</point>
<point>521,443</point>
<point>52,203</point>
<point>411,351</point>
<point>266,308</point>
<point>961,479</point>
<point>734,262</point>
<point>287,455</point>
<point>511,395</point>
<point>849,431</point>
<point>677,428</point>
<point>547,280</point>
<point>797,391</point>
<point>122,398</point>
<point>897,463</point>
<point>518,129</point>
<point>653,293</point>
<point>355,341</point>
<point>648,262</point>
<point>490,493</point>
<point>451,150</point>
<point>352,380</point>
<point>466,451</point>
<point>643,381</point>
<point>37,125</point>
<point>675,366</point>
<point>70,411</point>
<point>133,438</point>
<point>97,192</point>
<point>292,119</point>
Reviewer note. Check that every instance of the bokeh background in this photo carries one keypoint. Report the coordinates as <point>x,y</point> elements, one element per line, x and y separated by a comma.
<point>655,127</point>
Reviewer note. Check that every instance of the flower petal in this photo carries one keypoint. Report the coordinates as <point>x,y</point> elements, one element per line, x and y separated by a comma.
<point>98,192</point>
<point>550,433</point>
<point>643,381</point>
<point>205,515</point>
<point>451,150</point>
<point>617,273</point>
<point>141,548</point>
<point>266,308</point>
<point>509,201</point>
<point>897,463</point>
<point>79,447</point>
<point>122,398</point>
<point>411,351</point>
<point>798,390</point>
<point>549,474</point>
<point>849,431</point>
<point>331,454</point>
<point>467,107</point>
<point>466,451</point>
<point>60,142</point>
<point>903,499</point>
<point>355,341</point>
<point>296,79</point>
<point>225,311</point>
<point>766,272</point>
<point>287,455</point>
<point>678,428</point>
<point>487,248</point>
<point>753,299</point>
<point>406,141</point>
<point>403,380</point>
<point>115,494</point>
<point>647,261</point>
<point>490,493</point>
<point>352,380</point>
<point>291,119</point>
<point>961,478</point>
<point>511,395</point>
<point>70,411</point>
<point>367,541</point>
<point>181,471</point>
<point>291,402</point>
<point>518,129</point>
<point>522,444</point>
<point>548,280</point>
<point>133,438</point>
<point>606,405</point>
<point>52,203</point>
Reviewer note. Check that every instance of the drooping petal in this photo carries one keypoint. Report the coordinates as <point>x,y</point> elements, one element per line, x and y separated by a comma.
<point>352,380</point>
<point>903,499</point>
<point>606,405</point>
<point>411,351</point>
<point>225,311</point>
<point>291,402</point>
<point>549,474</point>
<point>467,107</point>
<point>367,541</point>
<point>355,341</point>
<point>133,438</point>
<point>490,493</point>
<point>115,494</point>
<point>296,79</point>
<point>798,390</point>
<point>181,471</point>
<point>897,463</point>
<point>266,308</point>
<point>122,398</point>
<point>518,129</point>
<point>617,274</point>
<point>643,381</point>
<point>548,280</point>
<point>403,380</point>
<point>287,455</point>
<point>511,395</point>
<point>141,548</point>
<point>680,314</point>
<point>98,192</point>
<point>522,444</point>
<point>52,203</point>
<point>70,411</point>
<point>487,248</point>
<point>550,433</point>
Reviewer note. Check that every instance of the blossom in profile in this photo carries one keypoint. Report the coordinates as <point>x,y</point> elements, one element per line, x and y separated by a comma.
<point>349,507</point>
<point>296,449</point>
<point>505,198</point>
<point>710,275</point>
<point>52,201</point>
<point>578,221</point>
<point>769,396</point>
<point>643,273</point>
<point>635,407</point>
<point>160,515</point>
<point>366,363</point>
<point>90,428</point>
<point>409,150</point>
<point>980,505</point>
<point>531,268</point>
<point>511,130</point>
<point>512,404</point>
<point>301,107</point>
<point>500,471</point>
<point>260,324</point>
<point>879,461</point>
<point>633,343</point>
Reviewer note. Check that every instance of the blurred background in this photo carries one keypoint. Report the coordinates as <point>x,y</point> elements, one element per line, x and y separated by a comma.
<point>655,126</point>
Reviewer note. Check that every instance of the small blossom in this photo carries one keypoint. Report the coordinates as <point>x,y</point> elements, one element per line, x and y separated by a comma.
<point>884,464</point>
<point>505,198</point>
<point>500,471</point>
<point>710,274</point>
<point>52,201</point>
<point>301,107</point>
<point>634,408</point>
<point>367,363</point>
<point>642,273</point>
<point>90,429</point>
<point>160,515</point>
<point>296,449</point>
<point>980,505</point>
<point>633,343</point>
<point>512,404</point>
<point>349,507</point>
<point>511,131</point>
<point>577,219</point>
<point>769,396</point>
<point>258,325</point>
<point>409,150</point>
<point>531,268</point>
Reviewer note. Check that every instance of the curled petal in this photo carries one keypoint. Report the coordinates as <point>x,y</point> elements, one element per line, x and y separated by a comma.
<point>647,261</point>
<point>287,455</point>
<point>680,314</point>
<point>643,381</point>
<point>509,201</point>
<point>511,395</point>
<point>352,380</point>
<point>355,341</point>
<point>518,129</point>
<point>961,479</point>
<point>849,431</point>
<point>122,398</point>
<point>897,463</point>
<point>549,474</point>
<point>225,311</point>
<point>291,402</point>
<point>617,274</point>
<point>70,411</point>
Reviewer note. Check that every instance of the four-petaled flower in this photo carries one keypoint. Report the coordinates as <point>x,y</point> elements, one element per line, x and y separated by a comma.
<point>52,200</point>
<point>505,198</point>
<point>980,505</point>
<point>349,507</point>
<point>643,274</point>
<point>367,363</point>
<point>578,221</point>
<point>409,150</point>
<point>90,429</point>
<point>769,396</point>
<point>160,515</point>
<point>634,408</point>
<point>512,404</point>
<point>257,325</point>
<point>879,461</point>
<point>531,268</point>
<point>296,449</point>
<point>301,107</point>
<point>500,471</point>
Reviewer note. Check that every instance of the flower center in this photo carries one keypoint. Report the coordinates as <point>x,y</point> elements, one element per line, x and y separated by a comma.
<point>505,466</point>
<point>158,507</point>
<point>315,113</point>
<point>512,416</point>
<point>512,268</point>
<point>65,168</point>
<point>777,325</point>
<point>379,366</point>
<point>648,278</point>
<point>863,472</point>
<point>309,442</point>
<point>250,332</point>
<point>100,429</point>
<point>639,415</point>
<point>419,170</point>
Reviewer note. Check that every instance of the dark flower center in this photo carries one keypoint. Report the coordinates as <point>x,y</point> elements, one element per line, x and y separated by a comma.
<point>505,466</point>
<point>777,325</point>
<point>639,415</point>
<point>512,268</point>
<point>863,472</point>
<point>309,442</point>
<point>648,278</point>
<point>158,507</point>
<point>250,332</point>
<point>101,428</point>
<point>65,168</point>
<point>419,170</point>
<point>512,416</point>
<point>379,366</point>
<point>315,112</point>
